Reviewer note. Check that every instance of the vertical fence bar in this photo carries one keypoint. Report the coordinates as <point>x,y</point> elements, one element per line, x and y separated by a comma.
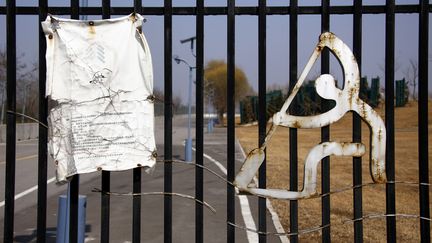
<point>136,205</point>
<point>138,6</point>
<point>168,121</point>
<point>293,150</point>
<point>262,114</point>
<point>136,201</point>
<point>230,118</point>
<point>389,119</point>
<point>73,209</point>
<point>357,132</point>
<point>11,121</point>
<point>74,183</point>
<point>106,175</point>
<point>199,176</point>
<point>43,131</point>
<point>325,131</point>
<point>423,134</point>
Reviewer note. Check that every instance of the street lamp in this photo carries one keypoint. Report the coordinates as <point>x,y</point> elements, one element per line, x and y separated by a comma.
<point>191,40</point>
<point>188,146</point>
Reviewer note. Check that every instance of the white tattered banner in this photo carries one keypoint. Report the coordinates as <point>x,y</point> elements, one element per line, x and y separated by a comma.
<point>100,78</point>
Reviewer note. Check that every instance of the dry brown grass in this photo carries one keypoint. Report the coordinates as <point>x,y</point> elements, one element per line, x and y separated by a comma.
<point>406,162</point>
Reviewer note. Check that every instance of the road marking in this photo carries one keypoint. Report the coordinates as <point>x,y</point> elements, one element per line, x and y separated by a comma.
<point>277,224</point>
<point>244,204</point>
<point>22,158</point>
<point>247,217</point>
<point>28,191</point>
<point>276,221</point>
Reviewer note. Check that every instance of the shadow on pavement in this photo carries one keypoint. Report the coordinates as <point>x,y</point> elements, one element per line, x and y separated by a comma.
<point>50,235</point>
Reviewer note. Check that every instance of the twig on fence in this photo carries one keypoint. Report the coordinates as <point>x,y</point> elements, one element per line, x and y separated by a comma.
<point>197,165</point>
<point>212,209</point>
<point>29,117</point>
<point>318,228</point>
<point>301,232</point>
<point>375,216</point>
<point>348,188</point>
<point>257,231</point>
<point>335,191</point>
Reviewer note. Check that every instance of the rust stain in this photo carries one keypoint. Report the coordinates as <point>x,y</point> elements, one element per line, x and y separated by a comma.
<point>358,146</point>
<point>365,114</point>
<point>296,124</point>
<point>351,94</point>
<point>50,40</point>
<point>133,18</point>
<point>379,176</point>
<point>92,30</point>
<point>255,151</point>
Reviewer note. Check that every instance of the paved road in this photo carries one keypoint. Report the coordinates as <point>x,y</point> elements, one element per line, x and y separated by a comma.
<point>152,206</point>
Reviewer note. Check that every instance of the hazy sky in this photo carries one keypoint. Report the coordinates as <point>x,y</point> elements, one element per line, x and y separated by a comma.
<point>247,39</point>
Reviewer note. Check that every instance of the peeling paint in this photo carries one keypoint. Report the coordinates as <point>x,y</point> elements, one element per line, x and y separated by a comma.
<point>347,100</point>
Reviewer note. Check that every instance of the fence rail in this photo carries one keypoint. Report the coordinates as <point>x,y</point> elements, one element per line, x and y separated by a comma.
<point>239,10</point>
<point>357,10</point>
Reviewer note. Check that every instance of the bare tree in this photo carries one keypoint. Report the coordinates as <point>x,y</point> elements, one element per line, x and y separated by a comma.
<point>411,74</point>
<point>159,102</point>
<point>27,80</point>
<point>397,65</point>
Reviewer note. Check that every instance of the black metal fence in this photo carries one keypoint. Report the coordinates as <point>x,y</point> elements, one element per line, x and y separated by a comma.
<point>357,10</point>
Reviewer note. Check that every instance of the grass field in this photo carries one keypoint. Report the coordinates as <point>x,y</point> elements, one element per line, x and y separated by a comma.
<point>406,163</point>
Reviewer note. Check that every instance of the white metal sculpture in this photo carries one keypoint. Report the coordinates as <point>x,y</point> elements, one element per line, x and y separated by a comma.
<point>347,99</point>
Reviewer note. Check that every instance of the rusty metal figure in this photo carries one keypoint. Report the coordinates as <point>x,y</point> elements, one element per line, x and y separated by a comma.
<point>347,99</point>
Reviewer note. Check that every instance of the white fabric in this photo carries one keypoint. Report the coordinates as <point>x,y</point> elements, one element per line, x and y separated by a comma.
<point>99,73</point>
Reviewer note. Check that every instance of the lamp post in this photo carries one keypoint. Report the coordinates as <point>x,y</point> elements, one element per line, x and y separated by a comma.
<point>188,146</point>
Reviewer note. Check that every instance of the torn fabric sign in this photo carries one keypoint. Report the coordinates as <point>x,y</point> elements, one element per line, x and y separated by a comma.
<point>100,78</point>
